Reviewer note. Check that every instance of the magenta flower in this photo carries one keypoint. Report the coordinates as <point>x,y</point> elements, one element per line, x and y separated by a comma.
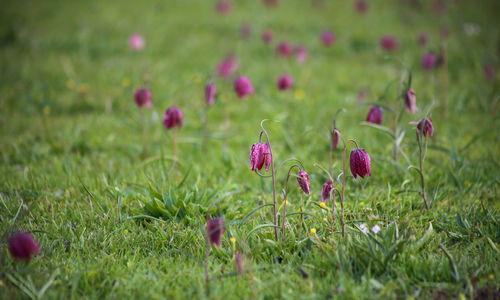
<point>335,138</point>
<point>172,118</point>
<point>260,154</point>
<point>301,53</point>
<point>210,94</point>
<point>285,83</point>
<point>215,230</point>
<point>389,43</point>
<point>429,61</point>
<point>425,127</point>
<point>361,6</point>
<point>328,38</point>
<point>375,115</point>
<point>267,36</point>
<point>243,87</point>
<point>136,42</point>
<point>326,191</point>
<point>23,246</point>
<point>303,180</point>
<point>423,38</point>
<point>245,30</point>
<point>360,163</point>
<point>284,49</point>
<point>143,97</point>
<point>410,101</point>
<point>227,67</point>
<point>224,7</point>
<point>488,72</point>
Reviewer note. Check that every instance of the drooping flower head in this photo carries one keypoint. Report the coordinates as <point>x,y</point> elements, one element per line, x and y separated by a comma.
<point>284,49</point>
<point>361,6</point>
<point>23,246</point>
<point>328,38</point>
<point>326,191</point>
<point>423,38</point>
<point>429,61</point>
<point>389,43</point>
<point>243,87</point>
<point>360,163</point>
<point>227,67</point>
<point>285,82</point>
<point>301,53</point>
<point>142,97</point>
<point>335,138</point>
<point>375,115</point>
<point>260,154</point>
<point>210,91</point>
<point>267,36</point>
<point>245,30</point>
<point>215,230</point>
<point>425,127</point>
<point>136,42</point>
<point>172,118</point>
<point>224,7</point>
<point>410,101</point>
<point>303,180</point>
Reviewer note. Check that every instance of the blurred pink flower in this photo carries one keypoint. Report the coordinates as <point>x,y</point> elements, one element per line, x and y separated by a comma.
<point>488,72</point>
<point>303,180</point>
<point>215,230</point>
<point>23,246</point>
<point>267,36</point>
<point>285,82</point>
<point>227,67</point>
<point>389,43</point>
<point>143,97</point>
<point>210,91</point>
<point>284,49</point>
<point>423,38</point>
<point>245,30</point>
<point>243,87</point>
<point>301,53</point>
<point>375,115</point>
<point>136,42</point>
<point>361,6</point>
<point>173,118</point>
<point>429,61</point>
<point>271,2</point>
<point>224,7</point>
<point>328,38</point>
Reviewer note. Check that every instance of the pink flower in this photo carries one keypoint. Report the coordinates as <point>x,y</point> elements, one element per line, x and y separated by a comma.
<point>136,42</point>
<point>23,246</point>
<point>303,180</point>
<point>429,61</point>
<point>424,127</point>
<point>361,6</point>
<point>260,154</point>
<point>284,49</point>
<point>360,163</point>
<point>328,38</point>
<point>410,101</point>
<point>267,36</point>
<point>389,43</point>
<point>224,7</point>
<point>335,138</point>
<point>243,87</point>
<point>285,83</point>
<point>271,2</point>
<point>210,94</point>
<point>488,72</point>
<point>423,38</point>
<point>326,191</point>
<point>439,6</point>
<point>215,230</point>
<point>227,67</point>
<point>143,97</point>
<point>301,53</point>
<point>375,115</point>
<point>172,118</point>
<point>245,30</point>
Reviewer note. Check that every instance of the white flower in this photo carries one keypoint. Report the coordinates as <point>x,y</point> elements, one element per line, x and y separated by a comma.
<point>363,228</point>
<point>376,229</point>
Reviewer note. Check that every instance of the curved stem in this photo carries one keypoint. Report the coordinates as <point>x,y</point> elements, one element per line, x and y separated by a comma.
<point>273,178</point>
<point>175,146</point>
<point>421,161</point>
<point>284,201</point>
<point>343,182</point>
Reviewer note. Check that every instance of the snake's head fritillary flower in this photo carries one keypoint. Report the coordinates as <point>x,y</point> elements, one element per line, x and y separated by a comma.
<point>227,67</point>
<point>410,101</point>
<point>375,115</point>
<point>22,245</point>
<point>224,7</point>
<point>328,38</point>
<point>301,53</point>
<point>136,42</point>
<point>243,87</point>
<point>285,83</point>
<point>173,118</point>
<point>335,138</point>
<point>389,43</point>
<point>210,91</point>
<point>423,38</point>
<point>215,230</point>
<point>425,127</point>
<point>326,191</point>
<point>271,2</point>
<point>260,154</point>
<point>245,30</point>
<point>267,36</point>
<point>361,6</point>
<point>360,163</point>
<point>142,97</point>
<point>429,61</point>
<point>284,49</point>
<point>303,180</point>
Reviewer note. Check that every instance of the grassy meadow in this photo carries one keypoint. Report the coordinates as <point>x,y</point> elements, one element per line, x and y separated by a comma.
<point>115,222</point>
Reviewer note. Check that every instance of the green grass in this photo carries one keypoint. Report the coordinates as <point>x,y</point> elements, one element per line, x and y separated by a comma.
<point>112,224</point>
